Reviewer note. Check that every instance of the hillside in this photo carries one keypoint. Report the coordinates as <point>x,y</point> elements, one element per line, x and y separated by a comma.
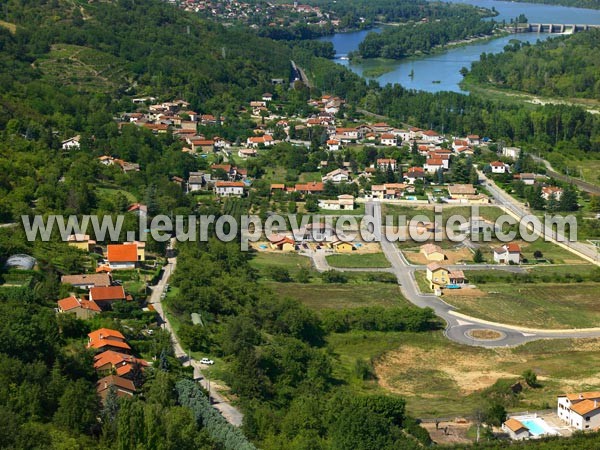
<point>567,67</point>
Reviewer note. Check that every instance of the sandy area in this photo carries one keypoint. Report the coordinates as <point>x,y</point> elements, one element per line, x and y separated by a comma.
<point>456,432</point>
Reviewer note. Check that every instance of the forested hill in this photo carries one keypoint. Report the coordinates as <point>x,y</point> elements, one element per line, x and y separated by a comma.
<point>592,4</point>
<point>560,67</point>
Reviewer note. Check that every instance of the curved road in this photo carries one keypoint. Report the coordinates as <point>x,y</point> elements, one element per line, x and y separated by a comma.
<point>583,185</point>
<point>458,325</point>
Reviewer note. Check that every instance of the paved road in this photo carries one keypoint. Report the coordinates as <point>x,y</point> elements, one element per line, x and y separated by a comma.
<point>519,210</point>
<point>232,414</point>
<point>458,325</point>
<point>583,185</point>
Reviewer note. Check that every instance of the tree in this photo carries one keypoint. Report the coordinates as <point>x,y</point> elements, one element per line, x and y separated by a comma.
<point>531,378</point>
<point>568,199</point>
<point>78,407</point>
<point>303,275</point>
<point>311,204</point>
<point>279,274</point>
<point>495,415</point>
<point>478,256</point>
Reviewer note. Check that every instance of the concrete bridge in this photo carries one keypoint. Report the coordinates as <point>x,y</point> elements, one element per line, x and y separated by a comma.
<point>559,28</point>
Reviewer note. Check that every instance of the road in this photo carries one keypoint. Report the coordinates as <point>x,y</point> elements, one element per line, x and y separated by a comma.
<point>583,185</point>
<point>458,326</point>
<point>519,210</point>
<point>231,414</point>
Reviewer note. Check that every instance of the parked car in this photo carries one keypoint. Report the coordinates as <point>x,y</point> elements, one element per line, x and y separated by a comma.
<point>208,362</point>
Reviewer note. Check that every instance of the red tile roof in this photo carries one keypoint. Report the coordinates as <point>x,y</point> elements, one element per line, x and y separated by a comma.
<point>68,303</point>
<point>105,293</point>
<point>122,253</point>
<point>104,333</point>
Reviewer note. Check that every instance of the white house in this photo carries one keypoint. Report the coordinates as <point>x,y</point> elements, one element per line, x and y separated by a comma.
<point>507,254</point>
<point>527,178</point>
<point>431,136</point>
<point>343,202</point>
<point>71,143</point>
<point>389,140</point>
<point>433,165</point>
<point>498,167</point>
<point>549,191</point>
<point>580,411</point>
<point>384,163</point>
<point>229,188</point>
<point>265,140</point>
<point>516,430</point>
<point>333,145</point>
<point>511,152</point>
<point>245,153</point>
<point>337,176</point>
<point>473,139</point>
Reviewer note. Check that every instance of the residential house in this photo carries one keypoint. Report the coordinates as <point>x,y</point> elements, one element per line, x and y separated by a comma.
<point>381,127</point>
<point>516,430</point>
<point>433,165</point>
<point>477,225</point>
<point>333,145</point>
<point>105,296</point>
<point>81,241</point>
<point>433,252</point>
<point>431,136</point>
<point>246,153</point>
<point>283,243</point>
<point>337,176</point>
<point>461,191</point>
<point>384,163</point>
<point>343,247</point>
<point>122,256</point>
<point>107,339</point>
<point>498,167</point>
<point>437,275</point>
<point>508,254</point>
<point>526,178</point>
<point>511,152</point>
<point>83,309</point>
<point>256,141</point>
<point>318,232</point>
<point>71,143</point>
<point>122,387</point>
<point>348,134</point>
<point>457,277</point>
<point>197,181</point>
<point>549,191</point>
<point>276,187</point>
<point>344,202</point>
<point>389,140</point>
<point>138,209</point>
<point>458,143</point>
<point>202,145</point>
<point>229,188</point>
<point>580,410</point>
<point>267,97</point>
<point>87,281</point>
<point>121,364</point>
<point>473,140</point>
<point>310,188</point>
<point>414,174</point>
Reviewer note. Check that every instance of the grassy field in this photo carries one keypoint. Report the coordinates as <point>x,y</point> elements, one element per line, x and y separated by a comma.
<point>441,379</point>
<point>487,212</point>
<point>290,261</point>
<point>112,193</point>
<point>534,305</point>
<point>365,260</point>
<point>342,296</point>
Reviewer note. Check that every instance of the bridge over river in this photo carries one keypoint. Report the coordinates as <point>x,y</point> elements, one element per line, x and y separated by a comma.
<point>560,28</point>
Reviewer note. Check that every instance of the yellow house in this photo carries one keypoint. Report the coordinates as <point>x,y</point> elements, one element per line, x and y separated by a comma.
<point>343,247</point>
<point>285,244</point>
<point>82,242</point>
<point>433,252</point>
<point>437,275</point>
<point>141,250</point>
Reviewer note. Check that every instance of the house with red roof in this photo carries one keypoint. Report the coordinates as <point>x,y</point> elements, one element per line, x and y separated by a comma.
<point>414,173</point>
<point>229,188</point>
<point>508,254</point>
<point>111,361</point>
<point>121,386</point>
<point>389,140</point>
<point>83,309</point>
<point>122,256</point>
<point>498,167</point>
<point>105,296</point>
<point>310,188</point>
<point>107,339</point>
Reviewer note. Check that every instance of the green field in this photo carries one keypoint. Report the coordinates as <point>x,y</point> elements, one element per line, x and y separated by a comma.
<point>342,295</point>
<point>290,261</point>
<point>533,305</point>
<point>487,212</point>
<point>357,261</point>
<point>111,193</point>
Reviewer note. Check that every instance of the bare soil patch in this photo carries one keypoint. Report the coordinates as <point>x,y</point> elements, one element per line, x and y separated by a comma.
<point>485,335</point>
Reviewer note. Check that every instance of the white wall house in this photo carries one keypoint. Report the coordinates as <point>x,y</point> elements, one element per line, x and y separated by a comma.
<point>507,254</point>
<point>229,188</point>
<point>71,143</point>
<point>498,167</point>
<point>580,411</point>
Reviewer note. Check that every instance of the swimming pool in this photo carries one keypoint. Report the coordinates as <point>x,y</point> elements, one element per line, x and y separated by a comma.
<point>411,197</point>
<point>534,427</point>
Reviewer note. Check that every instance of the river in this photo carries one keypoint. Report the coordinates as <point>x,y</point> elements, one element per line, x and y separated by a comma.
<point>441,71</point>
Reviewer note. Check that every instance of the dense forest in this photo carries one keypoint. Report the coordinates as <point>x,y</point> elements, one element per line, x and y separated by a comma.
<point>460,22</point>
<point>560,67</point>
<point>592,4</point>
